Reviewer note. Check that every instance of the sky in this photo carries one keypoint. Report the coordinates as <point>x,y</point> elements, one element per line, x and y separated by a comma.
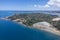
<point>29,4</point>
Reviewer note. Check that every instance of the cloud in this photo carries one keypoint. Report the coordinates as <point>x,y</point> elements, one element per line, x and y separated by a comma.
<point>50,3</point>
<point>38,6</point>
<point>35,5</point>
<point>46,5</point>
<point>53,3</point>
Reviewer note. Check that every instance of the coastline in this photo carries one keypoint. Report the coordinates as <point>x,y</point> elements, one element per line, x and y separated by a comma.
<point>57,32</point>
<point>54,30</point>
<point>13,21</point>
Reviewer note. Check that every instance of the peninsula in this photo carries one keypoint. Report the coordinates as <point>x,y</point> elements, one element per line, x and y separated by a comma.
<point>37,20</point>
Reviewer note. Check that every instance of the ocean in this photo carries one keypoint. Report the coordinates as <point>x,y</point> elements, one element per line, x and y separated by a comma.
<point>10,13</point>
<point>10,30</point>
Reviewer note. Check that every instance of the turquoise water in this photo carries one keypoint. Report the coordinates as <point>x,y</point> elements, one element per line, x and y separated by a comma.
<point>12,31</point>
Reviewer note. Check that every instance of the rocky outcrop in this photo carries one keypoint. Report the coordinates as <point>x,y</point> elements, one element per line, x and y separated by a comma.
<point>46,27</point>
<point>56,19</point>
<point>42,24</point>
<point>56,23</point>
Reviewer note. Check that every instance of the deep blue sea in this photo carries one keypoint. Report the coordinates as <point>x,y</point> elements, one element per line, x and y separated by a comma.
<point>12,31</point>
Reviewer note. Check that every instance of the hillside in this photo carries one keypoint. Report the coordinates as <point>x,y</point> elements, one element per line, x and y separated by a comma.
<point>32,18</point>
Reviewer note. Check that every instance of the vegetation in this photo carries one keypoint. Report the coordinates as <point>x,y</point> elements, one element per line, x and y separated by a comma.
<point>57,24</point>
<point>32,18</point>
